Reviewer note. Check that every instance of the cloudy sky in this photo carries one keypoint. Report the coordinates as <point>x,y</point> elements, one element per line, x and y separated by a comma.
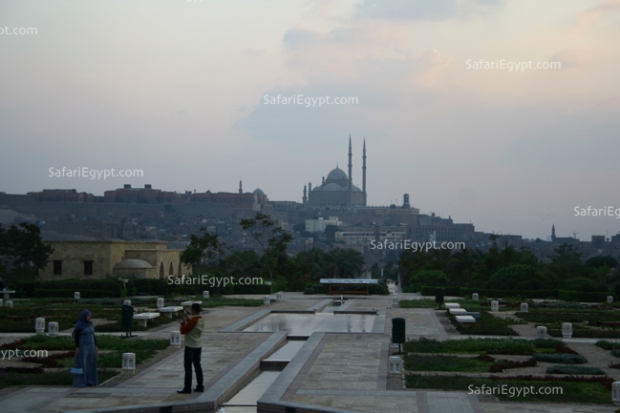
<point>182,90</point>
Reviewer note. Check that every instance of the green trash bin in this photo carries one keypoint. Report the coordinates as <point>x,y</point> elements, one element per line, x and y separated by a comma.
<point>439,296</point>
<point>127,319</point>
<point>398,331</point>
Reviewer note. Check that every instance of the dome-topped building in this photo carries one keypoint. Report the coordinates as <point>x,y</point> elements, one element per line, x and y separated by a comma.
<point>338,189</point>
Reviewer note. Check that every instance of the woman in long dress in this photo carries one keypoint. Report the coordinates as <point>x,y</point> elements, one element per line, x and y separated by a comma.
<point>85,351</point>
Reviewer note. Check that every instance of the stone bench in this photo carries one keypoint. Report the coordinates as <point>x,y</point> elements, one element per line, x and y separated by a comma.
<point>457,311</point>
<point>187,305</point>
<point>168,311</point>
<point>465,319</point>
<point>453,305</point>
<point>144,317</point>
<point>474,314</point>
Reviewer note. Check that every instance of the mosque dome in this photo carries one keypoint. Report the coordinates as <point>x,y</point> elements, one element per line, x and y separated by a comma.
<point>258,191</point>
<point>331,187</point>
<point>353,189</point>
<point>337,174</point>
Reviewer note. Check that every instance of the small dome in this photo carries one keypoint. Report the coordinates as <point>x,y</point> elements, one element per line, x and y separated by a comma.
<point>337,174</point>
<point>258,191</point>
<point>132,264</point>
<point>353,189</point>
<point>332,187</point>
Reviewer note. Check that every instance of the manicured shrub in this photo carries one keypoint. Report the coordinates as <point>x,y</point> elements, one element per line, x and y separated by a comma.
<point>562,358</point>
<point>575,370</point>
<point>608,345</point>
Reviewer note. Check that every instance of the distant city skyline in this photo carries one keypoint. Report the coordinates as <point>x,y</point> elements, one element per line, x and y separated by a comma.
<point>188,93</point>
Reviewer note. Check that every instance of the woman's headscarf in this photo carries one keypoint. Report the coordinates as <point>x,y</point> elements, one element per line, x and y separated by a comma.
<point>82,322</point>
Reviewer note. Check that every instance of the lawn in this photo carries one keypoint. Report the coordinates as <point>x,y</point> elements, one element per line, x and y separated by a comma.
<point>484,346</point>
<point>111,349</point>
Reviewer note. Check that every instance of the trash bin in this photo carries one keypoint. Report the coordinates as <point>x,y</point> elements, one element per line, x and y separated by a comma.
<point>439,295</point>
<point>127,319</point>
<point>398,331</point>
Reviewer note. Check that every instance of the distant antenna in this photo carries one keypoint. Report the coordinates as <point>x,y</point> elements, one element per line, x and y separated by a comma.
<point>575,234</point>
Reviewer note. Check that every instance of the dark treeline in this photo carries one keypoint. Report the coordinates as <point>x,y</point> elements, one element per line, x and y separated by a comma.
<point>269,258</point>
<point>509,269</point>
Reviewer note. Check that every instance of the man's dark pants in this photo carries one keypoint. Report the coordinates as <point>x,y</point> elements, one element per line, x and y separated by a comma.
<point>192,356</point>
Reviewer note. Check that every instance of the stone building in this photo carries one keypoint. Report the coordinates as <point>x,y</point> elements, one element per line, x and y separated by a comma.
<point>98,259</point>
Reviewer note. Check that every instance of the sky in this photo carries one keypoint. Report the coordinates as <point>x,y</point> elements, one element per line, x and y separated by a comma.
<point>185,91</point>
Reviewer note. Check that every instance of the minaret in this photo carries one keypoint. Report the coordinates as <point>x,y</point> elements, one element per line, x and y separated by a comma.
<point>350,165</point>
<point>309,191</point>
<point>364,172</point>
<point>553,232</point>
<point>240,187</point>
<point>305,198</point>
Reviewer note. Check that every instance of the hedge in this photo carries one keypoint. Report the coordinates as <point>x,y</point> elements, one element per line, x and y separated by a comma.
<point>599,297</point>
<point>562,358</point>
<point>428,290</point>
<point>109,287</point>
<point>374,289</point>
<point>489,292</point>
<point>575,370</point>
<point>41,293</point>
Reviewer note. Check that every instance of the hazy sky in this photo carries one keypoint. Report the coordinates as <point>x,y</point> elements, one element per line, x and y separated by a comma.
<point>179,89</point>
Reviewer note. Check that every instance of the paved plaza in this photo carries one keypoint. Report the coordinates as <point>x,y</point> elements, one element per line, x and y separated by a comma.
<point>328,372</point>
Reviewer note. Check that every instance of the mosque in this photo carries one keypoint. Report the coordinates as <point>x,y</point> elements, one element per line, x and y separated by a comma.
<point>338,188</point>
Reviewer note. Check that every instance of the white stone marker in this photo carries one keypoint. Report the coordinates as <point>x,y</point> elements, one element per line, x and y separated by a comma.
<point>610,299</point>
<point>541,332</point>
<point>129,361</point>
<point>39,325</point>
<point>9,304</point>
<point>396,365</point>
<point>76,295</point>
<point>525,307</point>
<point>205,294</point>
<point>567,330</point>
<point>267,300</point>
<point>474,296</point>
<point>160,302</point>
<point>175,338</point>
<point>615,393</point>
<point>494,306</point>
<point>126,302</point>
<point>52,329</point>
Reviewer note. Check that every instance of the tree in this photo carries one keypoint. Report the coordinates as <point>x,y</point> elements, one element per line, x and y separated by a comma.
<point>271,239</point>
<point>517,277</point>
<point>25,250</point>
<point>431,278</point>
<point>347,263</point>
<point>601,261</point>
<point>202,250</point>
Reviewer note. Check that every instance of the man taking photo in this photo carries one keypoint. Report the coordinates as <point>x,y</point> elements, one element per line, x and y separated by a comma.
<point>192,326</point>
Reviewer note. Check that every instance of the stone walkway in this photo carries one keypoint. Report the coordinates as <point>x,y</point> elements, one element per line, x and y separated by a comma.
<point>343,372</point>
